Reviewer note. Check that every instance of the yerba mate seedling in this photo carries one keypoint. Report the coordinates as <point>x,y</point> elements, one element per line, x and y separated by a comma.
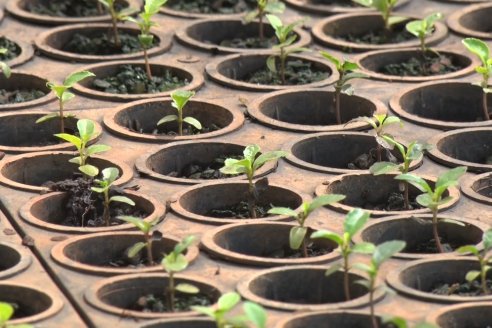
<point>385,7</point>
<point>297,236</point>
<point>264,7</point>
<point>149,236</point>
<point>4,68</point>
<point>423,28</point>
<point>400,322</point>
<point>180,99</point>
<point>116,16</point>
<point>6,312</point>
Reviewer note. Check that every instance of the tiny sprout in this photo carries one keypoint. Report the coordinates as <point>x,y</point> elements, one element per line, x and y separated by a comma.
<point>6,312</point>
<point>180,99</point>
<point>381,254</point>
<point>109,175</point>
<point>63,95</point>
<point>115,18</point>
<point>264,7</point>
<point>484,260</point>
<point>253,312</point>
<point>297,236</point>
<point>347,71</point>
<point>146,228</point>
<point>354,221</point>
<point>423,28</point>
<point>285,39</point>
<point>400,322</point>
<point>175,262</point>
<point>385,7</point>
<point>432,198</point>
<point>3,66</point>
<point>86,132</point>
<point>482,51</point>
<point>251,162</point>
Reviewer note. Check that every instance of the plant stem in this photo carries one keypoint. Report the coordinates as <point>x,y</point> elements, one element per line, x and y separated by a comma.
<point>148,242</point>
<point>406,195</point>
<point>114,22</point>
<point>251,198</point>
<point>371,305</point>
<point>106,208</point>
<point>170,291</point>
<point>337,104</point>
<point>99,8</point>
<point>62,122</point>
<point>283,58</point>
<point>379,151</point>
<point>346,283</point>
<point>485,106</point>
<point>304,248</point>
<point>435,232</point>
<point>147,65</point>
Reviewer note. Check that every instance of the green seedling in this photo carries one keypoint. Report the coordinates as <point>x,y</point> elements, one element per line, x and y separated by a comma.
<point>432,198</point>
<point>3,66</point>
<point>145,22</point>
<point>413,152</point>
<point>347,71</point>
<point>385,7</point>
<point>173,263</point>
<point>150,236</point>
<point>297,236</point>
<point>6,312</point>
<point>400,322</point>
<point>253,313</point>
<point>423,28</point>
<point>251,162</point>
<point>180,99</point>
<point>64,95</point>
<point>381,254</point>
<point>484,259</point>
<point>109,175</point>
<point>116,16</point>
<point>264,7</point>
<point>482,51</point>
<point>285,39</point>
<point>87,133</point>
<point>354,221</point>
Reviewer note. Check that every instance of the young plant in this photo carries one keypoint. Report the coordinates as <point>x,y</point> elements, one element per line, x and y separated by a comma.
<point>347,71</point>
<point>173,263</point>
<point>400,322</point>
<point>109,175</point>
<point>432,198</point>
<point>264,7</point>
<point>180,99</point>
<point>4,68</point>
<point>253,312</point>
<point>145,22</point>
<point>64,95</point>
<point>423,28</point>
<point>297,236</point>
<point>484,259</point>
<point>285,39</point>
<point>86,132</point>
<point>149,236</point>
<point>251,162</point>
<point>385,7</point>
<point>354,221</point>
<point>482,51</point>
<point>115,18</point>
<point>6,312</point>
<point>381,254</point>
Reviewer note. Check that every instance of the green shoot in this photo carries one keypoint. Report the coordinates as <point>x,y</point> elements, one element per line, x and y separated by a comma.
<point>3,66</point>
<point>180,99</point>
<point>297,236</point>
<point>354,221</point>
<point>432,198</point>
<point>400,322</point>
<point>115,18</point>
<point>482,51</point>
<point>385,7</point>
<point>149,236</point>
<point>6,312</point>
<point>423,28</point>
<point>264,7</point>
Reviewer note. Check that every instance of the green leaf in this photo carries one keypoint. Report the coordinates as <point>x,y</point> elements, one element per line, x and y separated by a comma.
<point>386,250</point>
<point>153,6</point>
<point>468,249</point>
<point>274,21</point>
<point>47,117</point>
<point>416,181</point>
<point>256,314</point>
<point>332,59</point>
<point>122,199</point>
<point>332,269</point>
<point>234,166</point>
<point>187,288</point>
<point>364,248</point>
<point>355,220</point>
<point>6,312</point>
<point>137,222</point>
<point>136,249</point>
<point>146,40</point>
<point>76,160</point>
<point>396,321</point>
<point>181,98</point>
<point>184,244</point>
<point>275,7</point>
<point>267,157</point>
<point>472,275</point>
<point>110,174</point>
<point>174,263</point>
<point>325,234</point>
<point>194,122</point>
<point>379,168</point>
<point>168,118</point>
<point>363,267</point>
<point>425,200</point>
<point>6,71</point>
<point>86,128</point>
<point>76,77</point>
<point>89,170</point>
<point>477,47</point>
<point>96,149</point>
<point>487,239</point>
<point>282,211</point>
<point>449,177</point>
<point>228,301</point>
<point>271,64</point>
<point>208,311</point>
<point>296,237</point>
<point>392,20</point>
<point>250,152</point>
<point>324,200</point>
<point>70,138</point>
<point>67,96</point>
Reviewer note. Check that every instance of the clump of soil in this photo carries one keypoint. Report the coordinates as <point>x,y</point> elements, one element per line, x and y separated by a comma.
<point>395,202</point>
<point>182,302</point>
<point>213,6</point>
<point>366,160</point>
<point>426,65</point>
<point>207,171</point>
<point>69,8</point>
<point>136,262</point>
<point>19,95</point>
<point>297,72</point>
<point>252,42</point>
<point>289,253</point>
<point>380,36</point>
<point>133,80</point>
<point>164,129</point>
<point>13,49</point>
<point>239,211</point>
<point>461,289</point>
<point>429,247</point>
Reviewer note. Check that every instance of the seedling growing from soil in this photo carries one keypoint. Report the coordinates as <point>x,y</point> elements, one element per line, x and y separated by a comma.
<point>173,263</point>
<point>297,236</point>
<point>400,322</point>
<point>347,71</point>
<point>180,99</point>
<point>6,312</point>
<point>423,28</point>
<point>432,198</point>
<point>86,132</point>
<point>482,51</point>
<point>64,95</point>
<point>285,39</point>
<point>484,260</point>
<point>385,7</point>
<point>248,165</point>
<point>253,312</point>
<point>264,7</point>
<point>145,22</point>
<point>354,221</point>
<point>149,236</point>
<point>381,254</point>
<point>115,18</point>
<point>109,175</point>
<point>3,66</point>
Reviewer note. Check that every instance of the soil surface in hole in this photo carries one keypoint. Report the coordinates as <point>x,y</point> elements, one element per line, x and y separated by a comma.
<point>19,95</point>
<point>461,288</point>
<point>102,44</point>
<point>252,42</point>
<point>20,312</point>
<point>427,65</point>
<point>429,247</point>
<point>136,262</point>
<point>213,6</point>
<point>43,140</point>
<point>381,36</point>
<point>289,253</point>
<point>84,207</point>
<point>340,3</point>
<point>69,8</point>
<point>205,171</point>
<point>239,211</point>
<point>297,72</point>
<point>189,130</point>
<point>487,192</point>
<point>133,80</point>
<point>182,302</point>
<point>395,202</point>
<point>366,160</point>
<point>13,49</point>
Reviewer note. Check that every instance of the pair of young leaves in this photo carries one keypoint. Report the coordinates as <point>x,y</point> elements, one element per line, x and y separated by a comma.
<point>6,312</point>
<point>482,51</point>
<point>180,99</point>
<point>265,7</point>
<point>483,257</point>
<point>151,7</point>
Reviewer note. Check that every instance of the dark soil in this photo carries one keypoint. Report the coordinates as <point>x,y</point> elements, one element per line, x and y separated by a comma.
<point>102,44</point>
<point>381,36</point>
<point>239,211</point>
<point>461,289</point>
<point>19,311</point>
<point>213,6</point>
<point>13,49</point>
<point>69,8</point>
<point>164,129</point>
<point>366,160</point>
<point>289,253</point>
<point>124,261</point>
<point>43,140</point>
<point>487,192</point>
<point>429,247</point>
<point>19,95</point>
<point>182,302</point>
<point>207,171</point>
<point>395,202</point>
<point>339,3</point>
<point>297,72</point>
<point>252,42</point>
<point>133,80</point>
<point>427,65</point>
<point>84,207</point>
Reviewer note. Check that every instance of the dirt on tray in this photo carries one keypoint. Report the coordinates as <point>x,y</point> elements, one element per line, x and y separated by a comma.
<point>19,95</point>
<point>13,49</point>
<point>253,42</point>
<point>426,65</point>
<point>366,160</point>
<point>395,202</point>
<point>289,253</point>
<point>381,36</point>
<point>461,288</point>
<point>213,6</point>
<point>207,171</point>
<point>102,44</point>
<point>69,8</point>
<point>239,211</point>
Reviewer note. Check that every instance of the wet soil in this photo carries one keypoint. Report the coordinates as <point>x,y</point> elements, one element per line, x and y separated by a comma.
<point>13,49</point>
<point>19,95</point>
<point>289,253</point>
<point>207,171</point>
<point>297,72</point>
<point>381,36</point>
<point>339,3</point>
<point>189,130</point>
<point>487,192</point>
<point>19,311</point>
<point>136,262</point>
<point>69,8</point>
<point>395,202</point>
<point>239,211</point>
<point>213,6</point>
<point>461,288</point>
<point>429,247</point>
<point>426,65</point>
<point>182,302</point>
<point>133,80</point>
<point>366,160</point>
<point>249,43</point>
